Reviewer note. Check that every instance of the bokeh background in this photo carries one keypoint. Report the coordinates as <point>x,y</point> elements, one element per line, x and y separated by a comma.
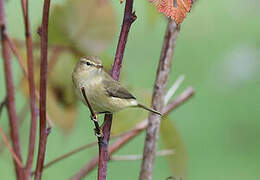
<point>218,50</point>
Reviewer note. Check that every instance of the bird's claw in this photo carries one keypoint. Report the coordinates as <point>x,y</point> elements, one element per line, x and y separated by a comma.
<point>94,118</point>
<point>98,133</point>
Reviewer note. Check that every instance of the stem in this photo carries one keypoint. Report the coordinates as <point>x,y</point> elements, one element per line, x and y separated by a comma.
<point>18,56</point>
<point>13,120</point>
<point>43,83</point>
<point>9,147</point>
<point>134,157</point>
<point>20,60</point>
<point>69,154</point>
<point>129,18</point>
<point>129,135</point>
<point>154,120</point>
<point>32,88</point>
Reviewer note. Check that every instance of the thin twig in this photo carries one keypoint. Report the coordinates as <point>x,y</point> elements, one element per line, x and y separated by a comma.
<point>69,154</point>
<point>43,87</point>
<point>16,53</point>
<point>32,89</point>
<point>22,115</point>
<point>183,97</point>
<point>74,151</point>
<point>152,131</point>
<point>13,120</point>
<point>128,19</point>
<point>129,135</point>
<point>14,49</point>
<point>173,89</point>
<point>9,147</point>
<point>134,157</point>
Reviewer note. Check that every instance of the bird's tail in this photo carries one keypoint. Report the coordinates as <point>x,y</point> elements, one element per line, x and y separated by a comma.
<point>149,109</point>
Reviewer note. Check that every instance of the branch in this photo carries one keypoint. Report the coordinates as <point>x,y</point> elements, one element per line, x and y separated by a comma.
<point>154,120</point>
<point>129,18</point>
<point>129,135</point>
<point>16,53</point>
<point>75,151</point>
<point>9,147</point>
<point>20,61</point>
<point>13,120</point>
<point>43,83</point>
<point>173,89</point>
<point>32,88</point>
<point>22,115</point>
<point>134,157</point>
<point>68,154</point>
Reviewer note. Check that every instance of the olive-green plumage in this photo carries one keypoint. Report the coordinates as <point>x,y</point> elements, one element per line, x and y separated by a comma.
<point>102,91</point>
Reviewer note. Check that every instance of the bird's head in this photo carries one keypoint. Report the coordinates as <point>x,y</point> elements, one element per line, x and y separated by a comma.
<point>90,63</point>
<point>86,67</point>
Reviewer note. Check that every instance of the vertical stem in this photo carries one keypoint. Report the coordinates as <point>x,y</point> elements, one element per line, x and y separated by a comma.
<point>129,18</point>
<point>13,120</point>
<point>154,120</point>
<point>43,31</point>
<point>32,89</point>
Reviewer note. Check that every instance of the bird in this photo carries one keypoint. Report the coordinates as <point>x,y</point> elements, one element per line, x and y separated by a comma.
<point>96,88</point>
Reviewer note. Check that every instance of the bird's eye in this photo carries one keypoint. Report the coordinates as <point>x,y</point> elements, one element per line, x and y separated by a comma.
<point>88,63</point>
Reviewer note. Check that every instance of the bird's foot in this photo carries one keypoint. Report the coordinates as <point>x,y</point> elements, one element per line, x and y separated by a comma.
<point>97,129</point>
<point>94,118</point>
<point>98,133</point>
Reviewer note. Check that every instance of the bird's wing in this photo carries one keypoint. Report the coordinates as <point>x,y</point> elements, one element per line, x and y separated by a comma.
<point>114,89</point>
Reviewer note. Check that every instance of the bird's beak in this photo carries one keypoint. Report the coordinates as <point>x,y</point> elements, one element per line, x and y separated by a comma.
<point>99,66</point>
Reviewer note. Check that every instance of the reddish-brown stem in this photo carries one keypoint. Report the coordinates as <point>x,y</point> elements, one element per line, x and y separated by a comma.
<point>43,87</point>
<point>22,115</point>
<point>154,120</point>
<point>16,53</point>
<point>129,135</point>
<point>13,120</point>
<point>29,47</point>
<point>9,147</point>
<point>129,18</point>
<point>20,60</point>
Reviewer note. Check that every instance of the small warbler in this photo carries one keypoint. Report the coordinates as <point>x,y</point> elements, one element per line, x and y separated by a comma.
<point>104,94</point>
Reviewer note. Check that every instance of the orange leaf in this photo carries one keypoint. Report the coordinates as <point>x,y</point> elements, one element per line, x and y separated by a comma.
<point>176,9</point>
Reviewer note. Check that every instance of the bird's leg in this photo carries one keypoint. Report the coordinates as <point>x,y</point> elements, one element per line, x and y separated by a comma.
<point>97,129</point>
<point>93,115</point>
<point>104,112</point>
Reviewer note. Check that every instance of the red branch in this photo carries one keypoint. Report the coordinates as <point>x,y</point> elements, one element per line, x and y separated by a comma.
<point>154,120</point>
<point>32,89</point>
<point>13,120</point>
<point>9,147</point>
<point>129,135</point>
<point>43,31</point>
<point>129,18</point>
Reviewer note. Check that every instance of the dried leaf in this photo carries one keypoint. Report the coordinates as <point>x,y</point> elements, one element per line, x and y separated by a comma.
<point>89,26</point>
<point>172,140</point>
<point>176,9</point>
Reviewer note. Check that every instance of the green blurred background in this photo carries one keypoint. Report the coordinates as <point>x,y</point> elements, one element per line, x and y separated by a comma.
<point>218,51</point>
